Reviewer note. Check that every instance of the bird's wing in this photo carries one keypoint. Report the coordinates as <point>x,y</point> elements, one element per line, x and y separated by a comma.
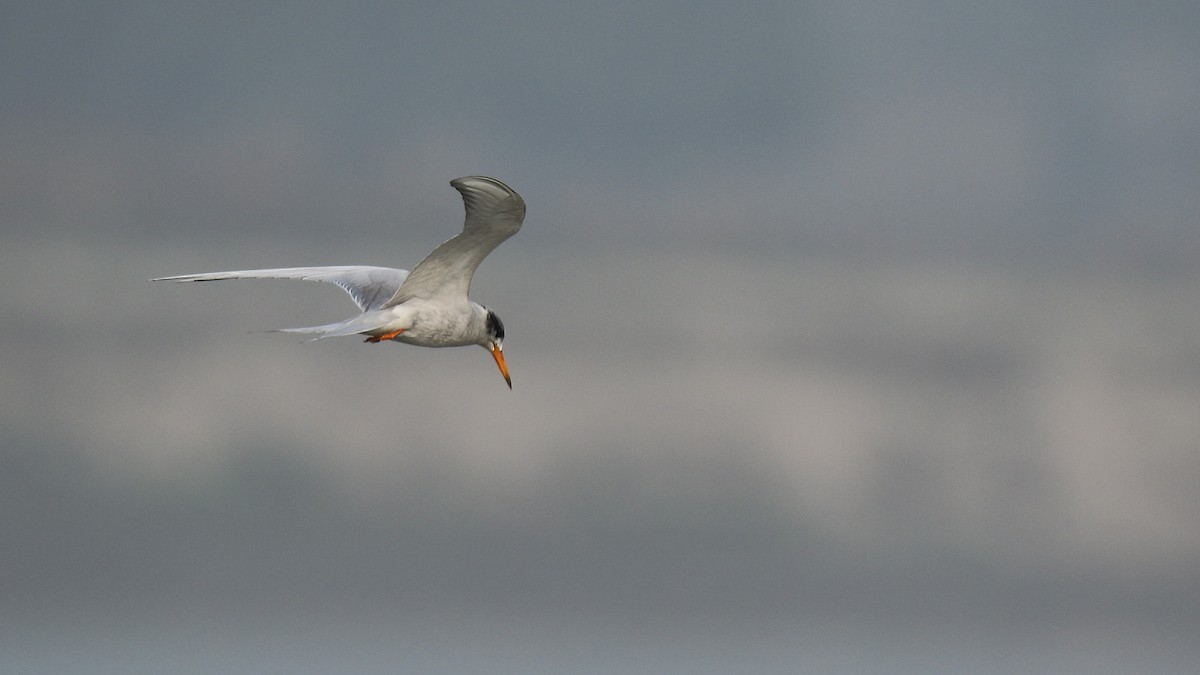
<point>371,287</point>
<point>494,213</point>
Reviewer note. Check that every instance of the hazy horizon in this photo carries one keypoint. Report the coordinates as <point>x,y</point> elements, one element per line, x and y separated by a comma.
<point>844,337</point>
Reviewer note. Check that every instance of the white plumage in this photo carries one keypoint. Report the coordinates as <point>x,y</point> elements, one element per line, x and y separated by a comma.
<point>428,306</point>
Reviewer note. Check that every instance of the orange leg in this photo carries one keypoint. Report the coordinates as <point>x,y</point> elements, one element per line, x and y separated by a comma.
<point>386,336</point>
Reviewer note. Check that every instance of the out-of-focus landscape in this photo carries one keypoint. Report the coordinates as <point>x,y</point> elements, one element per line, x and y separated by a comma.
<point>845,337</point>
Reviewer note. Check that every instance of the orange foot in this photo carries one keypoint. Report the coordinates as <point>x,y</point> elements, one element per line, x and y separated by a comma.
<point>386,336</point>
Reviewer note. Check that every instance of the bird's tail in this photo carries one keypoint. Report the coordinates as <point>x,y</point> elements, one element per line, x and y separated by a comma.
<point>363,323</point>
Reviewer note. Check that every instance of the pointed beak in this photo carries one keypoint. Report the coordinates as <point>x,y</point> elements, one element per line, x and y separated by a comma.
<point>498,354</point>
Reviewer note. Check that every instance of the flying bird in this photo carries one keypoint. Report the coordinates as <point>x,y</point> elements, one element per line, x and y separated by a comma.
<point>428,306</point>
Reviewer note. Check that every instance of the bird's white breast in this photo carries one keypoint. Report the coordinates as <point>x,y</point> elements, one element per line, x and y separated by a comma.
<point>435,324</point>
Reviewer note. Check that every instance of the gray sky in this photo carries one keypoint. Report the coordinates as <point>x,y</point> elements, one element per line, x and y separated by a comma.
<point>845,337</point>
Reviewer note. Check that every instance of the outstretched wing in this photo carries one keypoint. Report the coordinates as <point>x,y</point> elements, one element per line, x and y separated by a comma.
<point>494,213</point>
<point>371,287</point>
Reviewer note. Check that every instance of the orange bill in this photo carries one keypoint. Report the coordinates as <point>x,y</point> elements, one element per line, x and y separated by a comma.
<point>498,354</point>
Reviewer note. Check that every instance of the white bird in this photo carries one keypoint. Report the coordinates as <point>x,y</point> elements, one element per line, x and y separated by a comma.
<point>428,306</point>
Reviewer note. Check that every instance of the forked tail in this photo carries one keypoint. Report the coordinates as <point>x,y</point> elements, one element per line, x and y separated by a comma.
<point>363,323</point>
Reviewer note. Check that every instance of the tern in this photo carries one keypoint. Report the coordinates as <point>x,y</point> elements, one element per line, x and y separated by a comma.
<point>428,306</point>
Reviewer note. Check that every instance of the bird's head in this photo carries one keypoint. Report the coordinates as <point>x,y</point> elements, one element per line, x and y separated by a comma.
<point>494,341</point>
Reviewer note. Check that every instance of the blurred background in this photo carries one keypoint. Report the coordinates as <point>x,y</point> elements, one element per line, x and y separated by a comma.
<point>845,336</point>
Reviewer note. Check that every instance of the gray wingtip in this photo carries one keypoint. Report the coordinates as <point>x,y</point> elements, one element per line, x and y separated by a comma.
<point>484,186</point>
<point>489,195</point>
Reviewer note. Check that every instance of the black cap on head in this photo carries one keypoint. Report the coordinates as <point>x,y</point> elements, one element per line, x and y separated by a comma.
<point>495,327</point>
